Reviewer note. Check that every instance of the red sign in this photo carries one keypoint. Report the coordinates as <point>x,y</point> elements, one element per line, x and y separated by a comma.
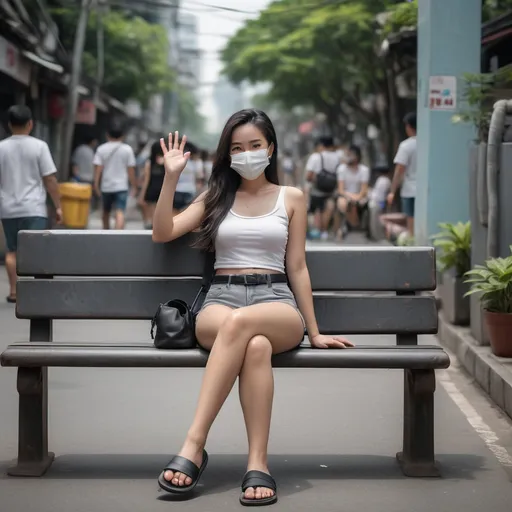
<point>12,63</point>
<point>85,112</point>
<point>306,127</point>
<point>56,106</point>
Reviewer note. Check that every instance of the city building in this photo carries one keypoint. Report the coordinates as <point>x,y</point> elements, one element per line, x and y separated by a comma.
<point>227,98</point>
<point>189,66</point>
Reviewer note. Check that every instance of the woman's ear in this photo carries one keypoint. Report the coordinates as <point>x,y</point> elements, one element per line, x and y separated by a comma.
<point>271,150</point>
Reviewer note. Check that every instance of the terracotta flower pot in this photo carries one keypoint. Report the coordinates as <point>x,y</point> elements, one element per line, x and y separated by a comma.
<point>499,326</point>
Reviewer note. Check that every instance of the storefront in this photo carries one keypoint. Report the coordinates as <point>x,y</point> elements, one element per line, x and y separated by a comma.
<point>14,79</point>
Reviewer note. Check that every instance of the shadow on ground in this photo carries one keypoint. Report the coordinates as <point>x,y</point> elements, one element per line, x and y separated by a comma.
<point>293,473</point>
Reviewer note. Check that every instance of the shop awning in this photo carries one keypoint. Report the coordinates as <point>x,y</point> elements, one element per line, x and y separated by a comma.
<point>43,62</point>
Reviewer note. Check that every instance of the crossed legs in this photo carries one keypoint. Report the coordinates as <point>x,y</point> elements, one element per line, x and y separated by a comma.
<point>242,342</point>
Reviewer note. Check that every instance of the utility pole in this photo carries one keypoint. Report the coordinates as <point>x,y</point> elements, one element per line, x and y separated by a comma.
<point>100,41</point>
<point>74,82</point>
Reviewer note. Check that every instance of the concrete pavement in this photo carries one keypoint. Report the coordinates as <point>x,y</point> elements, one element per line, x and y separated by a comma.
<point>333,441</point>
<point>493,373</point>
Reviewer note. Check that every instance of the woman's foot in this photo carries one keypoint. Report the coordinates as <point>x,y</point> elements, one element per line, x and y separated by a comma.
<point>258,493</point>
<point>192,451</point>
<point>11,299</point>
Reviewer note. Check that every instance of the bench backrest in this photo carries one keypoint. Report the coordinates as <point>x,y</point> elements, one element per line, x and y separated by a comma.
<point>125,275</point>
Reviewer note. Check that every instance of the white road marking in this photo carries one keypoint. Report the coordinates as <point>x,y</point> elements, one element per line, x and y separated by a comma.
<point>475,420</point>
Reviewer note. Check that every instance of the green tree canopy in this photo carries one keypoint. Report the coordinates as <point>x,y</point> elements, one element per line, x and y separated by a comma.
<point>405,14</point>
<point>315,53</point>
<point>135,53</point>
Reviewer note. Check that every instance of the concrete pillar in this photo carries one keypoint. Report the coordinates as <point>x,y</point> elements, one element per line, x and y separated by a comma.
<point>449,34</point>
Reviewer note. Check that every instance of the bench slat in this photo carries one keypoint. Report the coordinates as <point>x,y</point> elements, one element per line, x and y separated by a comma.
<point>138,299</point>
<point>133,254</point>
<point>146,356</point>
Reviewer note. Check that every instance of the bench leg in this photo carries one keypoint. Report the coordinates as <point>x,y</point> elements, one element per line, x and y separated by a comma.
<point>417,457</point>
<point>33,456</point>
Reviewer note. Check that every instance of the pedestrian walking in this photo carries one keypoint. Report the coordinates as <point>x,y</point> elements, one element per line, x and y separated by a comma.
<point>250,312</point>
<point>153,178</point>
<point>27,173</point>
<point>114,176</point>
<point>405,172</point>
<point>191,180</point>
<point>82,167</point>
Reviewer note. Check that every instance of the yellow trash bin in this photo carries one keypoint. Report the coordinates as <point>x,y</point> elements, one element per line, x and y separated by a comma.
<point>75,201</point>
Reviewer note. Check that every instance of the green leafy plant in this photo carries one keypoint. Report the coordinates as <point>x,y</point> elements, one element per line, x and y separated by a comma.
<point>401,16</point>
<point>135,52</point>
<point>454,244</point>
<point>493,281</point>
<point>405,240</point>
<point>478,96</point>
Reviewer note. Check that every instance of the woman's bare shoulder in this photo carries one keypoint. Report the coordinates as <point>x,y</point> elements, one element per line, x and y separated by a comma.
<point>294,195</point>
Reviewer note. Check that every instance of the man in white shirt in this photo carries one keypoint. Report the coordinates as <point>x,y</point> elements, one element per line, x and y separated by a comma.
<point>321,203</point>
<point>353,178</point>
<point>114,167</point>
<point>405,172</point>
<point>82,169</point>
<point>27,173</point>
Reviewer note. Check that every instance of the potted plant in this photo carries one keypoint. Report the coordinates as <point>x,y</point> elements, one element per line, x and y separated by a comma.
<point>493,281</point>
<point>479,92</point>
<point>454,260</point>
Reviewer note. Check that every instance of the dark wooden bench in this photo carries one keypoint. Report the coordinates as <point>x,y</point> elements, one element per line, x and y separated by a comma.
<point>124,275</point>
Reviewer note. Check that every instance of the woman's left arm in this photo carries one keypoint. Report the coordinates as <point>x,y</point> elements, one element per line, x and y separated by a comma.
<point>297,270</point>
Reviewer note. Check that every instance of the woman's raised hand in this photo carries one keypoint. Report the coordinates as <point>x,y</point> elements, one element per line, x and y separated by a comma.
<point>174,158</point>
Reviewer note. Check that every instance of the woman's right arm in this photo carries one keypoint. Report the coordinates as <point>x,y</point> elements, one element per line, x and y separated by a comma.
<point>165,227</point>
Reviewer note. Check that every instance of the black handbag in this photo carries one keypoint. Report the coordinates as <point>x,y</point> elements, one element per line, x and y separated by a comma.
<point>174,320</point>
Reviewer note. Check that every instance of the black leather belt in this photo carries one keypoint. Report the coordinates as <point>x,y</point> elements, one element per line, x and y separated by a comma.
<point>250,279</point>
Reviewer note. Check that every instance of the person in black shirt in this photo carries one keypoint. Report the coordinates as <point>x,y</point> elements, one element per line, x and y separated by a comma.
<point>153,178</point>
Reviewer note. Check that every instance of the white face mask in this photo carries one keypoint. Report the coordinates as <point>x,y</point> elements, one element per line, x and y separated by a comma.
<point>250,164</point>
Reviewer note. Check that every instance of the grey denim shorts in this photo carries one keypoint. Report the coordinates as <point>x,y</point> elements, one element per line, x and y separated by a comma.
<point>240,295</point>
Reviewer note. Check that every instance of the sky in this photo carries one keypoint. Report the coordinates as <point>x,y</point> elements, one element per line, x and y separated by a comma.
<point>215,27</point>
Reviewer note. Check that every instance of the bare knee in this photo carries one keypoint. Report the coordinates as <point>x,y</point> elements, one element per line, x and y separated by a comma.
<point>329,207</point>
<point>259,350</point>
<point>235,326</point>
<point>342,204</point>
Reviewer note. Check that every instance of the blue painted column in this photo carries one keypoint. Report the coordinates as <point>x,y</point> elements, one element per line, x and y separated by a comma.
<point>449,34</point>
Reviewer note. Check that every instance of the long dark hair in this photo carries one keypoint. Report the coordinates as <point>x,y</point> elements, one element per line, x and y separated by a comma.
<point>156,151</point>
<point>224,181</point>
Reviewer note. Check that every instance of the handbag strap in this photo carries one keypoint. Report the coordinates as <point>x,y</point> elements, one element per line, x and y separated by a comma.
<point>208,269</point>
<point>153,321</point>
<point>208,273</point>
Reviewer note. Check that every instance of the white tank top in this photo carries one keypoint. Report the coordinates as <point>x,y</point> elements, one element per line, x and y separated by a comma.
<point>253,242</point>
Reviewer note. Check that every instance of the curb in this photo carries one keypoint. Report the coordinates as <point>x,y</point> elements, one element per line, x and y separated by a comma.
<point>493,374</point>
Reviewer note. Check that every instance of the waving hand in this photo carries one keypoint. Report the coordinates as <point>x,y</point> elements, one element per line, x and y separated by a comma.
<point>174,158</point>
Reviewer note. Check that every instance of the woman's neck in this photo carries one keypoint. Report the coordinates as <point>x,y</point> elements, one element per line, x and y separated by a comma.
<point>253,186</point>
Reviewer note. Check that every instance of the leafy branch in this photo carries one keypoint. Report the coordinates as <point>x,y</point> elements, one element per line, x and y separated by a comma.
<point>478,96</point>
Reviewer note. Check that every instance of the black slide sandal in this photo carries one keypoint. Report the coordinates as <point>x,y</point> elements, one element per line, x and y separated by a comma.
<point>258,479</point>
<point>182,465</point>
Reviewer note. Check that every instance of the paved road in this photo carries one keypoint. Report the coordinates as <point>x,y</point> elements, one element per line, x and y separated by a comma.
<point>333,441</point>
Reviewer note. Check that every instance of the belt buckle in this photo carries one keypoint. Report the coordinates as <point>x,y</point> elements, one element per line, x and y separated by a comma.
<point>252,279</point>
